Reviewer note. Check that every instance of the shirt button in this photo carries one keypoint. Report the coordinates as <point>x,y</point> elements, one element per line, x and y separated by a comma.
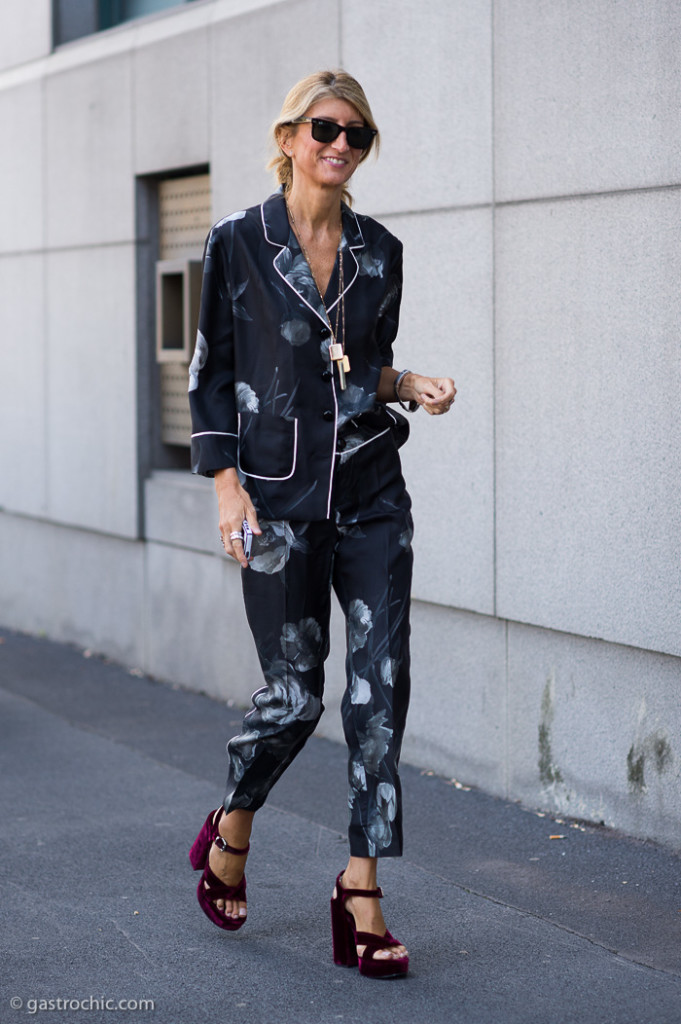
<point>325,332</point>
<point>327,415</point>
<point>340,444</point>
<point>327,375</point>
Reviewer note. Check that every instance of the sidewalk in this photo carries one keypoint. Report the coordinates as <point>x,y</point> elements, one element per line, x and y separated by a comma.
<point>106,779</point>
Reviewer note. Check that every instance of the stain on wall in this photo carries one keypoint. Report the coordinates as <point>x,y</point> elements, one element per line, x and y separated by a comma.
<point>653,750</point>
<point>549,773</point>
<point>636,763</point>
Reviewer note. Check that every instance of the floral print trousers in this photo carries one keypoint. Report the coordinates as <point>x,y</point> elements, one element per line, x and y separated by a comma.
<point>364,553</point>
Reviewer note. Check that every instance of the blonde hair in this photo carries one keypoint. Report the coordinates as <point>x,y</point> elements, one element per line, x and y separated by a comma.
<point>322,85</point>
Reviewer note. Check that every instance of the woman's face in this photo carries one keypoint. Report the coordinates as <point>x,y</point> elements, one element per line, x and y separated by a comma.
<point>325,164</point>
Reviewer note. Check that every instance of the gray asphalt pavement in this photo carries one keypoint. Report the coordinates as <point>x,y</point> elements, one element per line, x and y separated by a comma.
<point>106,778</point>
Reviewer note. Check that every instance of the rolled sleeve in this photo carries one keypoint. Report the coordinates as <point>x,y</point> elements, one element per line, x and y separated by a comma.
<point>212,398</point>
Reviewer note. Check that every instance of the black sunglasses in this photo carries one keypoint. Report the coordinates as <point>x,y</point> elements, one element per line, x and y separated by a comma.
<point>327,131</point>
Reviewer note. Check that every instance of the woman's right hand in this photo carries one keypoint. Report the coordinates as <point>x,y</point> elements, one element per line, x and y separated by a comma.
<point>235,506</point>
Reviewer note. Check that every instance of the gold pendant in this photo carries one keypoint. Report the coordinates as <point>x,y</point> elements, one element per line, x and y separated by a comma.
<point>341,361</point>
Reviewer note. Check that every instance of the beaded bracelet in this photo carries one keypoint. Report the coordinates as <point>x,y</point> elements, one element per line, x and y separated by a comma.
<point>413,404</point>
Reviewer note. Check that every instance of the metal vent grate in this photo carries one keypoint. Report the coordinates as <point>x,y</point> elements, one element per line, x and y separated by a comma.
<point>185,218</point>
<point>175,419</point>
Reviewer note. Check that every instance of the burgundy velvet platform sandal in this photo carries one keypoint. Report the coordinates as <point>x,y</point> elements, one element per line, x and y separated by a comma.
<point>346,938</point>
<point>216,889</point>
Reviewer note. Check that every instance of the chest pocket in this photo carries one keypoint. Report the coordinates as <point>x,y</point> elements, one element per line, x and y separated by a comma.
<point>268,446</point>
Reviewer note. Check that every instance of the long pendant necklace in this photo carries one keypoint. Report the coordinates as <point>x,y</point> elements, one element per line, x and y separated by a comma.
<point>337,348</point>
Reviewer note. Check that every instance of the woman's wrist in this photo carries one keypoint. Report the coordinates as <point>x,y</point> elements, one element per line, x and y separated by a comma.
<point>405,392</point>
<point>226,479</point>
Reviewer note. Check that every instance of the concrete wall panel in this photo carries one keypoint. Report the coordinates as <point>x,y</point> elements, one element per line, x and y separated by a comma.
<point>457,718</point>
<point>427,71</point>
<point>182,509</point>
<point>587,96</point>
<point>22,385</point>
<point>21,167</point>
<point>91,389</point>
<point>25,31</point>
<point>255,60</point>
<point>74,586</point>
<point>448,460</point>
<point>594,731</point>
<point>197,631</point>
<point>90,177</point>
<point>171,103</point>
<point>588,435</point>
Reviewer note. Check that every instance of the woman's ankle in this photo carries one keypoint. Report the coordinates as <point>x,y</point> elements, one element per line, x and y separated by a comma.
<point>235,827</point>
<point>361,873</point>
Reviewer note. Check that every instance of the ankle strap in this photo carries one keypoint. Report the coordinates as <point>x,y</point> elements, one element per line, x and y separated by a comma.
<point>372,893</point>
<point>343,892</point>
<point>223,845</point>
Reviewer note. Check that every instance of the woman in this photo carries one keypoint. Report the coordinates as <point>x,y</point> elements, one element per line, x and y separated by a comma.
<point>288,389</point>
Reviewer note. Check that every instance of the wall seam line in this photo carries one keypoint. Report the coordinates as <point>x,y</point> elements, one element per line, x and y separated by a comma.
<point>494,309</point>
<point>44,253</point>
<point>48,250</point>
<point>506,680</point>
<point>507,738</point>
<point>607,193</point>
<point>500,204</point>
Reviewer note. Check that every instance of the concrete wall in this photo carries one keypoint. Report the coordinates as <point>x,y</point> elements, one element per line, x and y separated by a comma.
<point>531,165</point>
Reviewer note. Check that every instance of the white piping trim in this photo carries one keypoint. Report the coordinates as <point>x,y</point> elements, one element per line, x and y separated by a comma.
<point>214,433</point>
<point>359,245</point>
<point>281,247</point>
<point>256,476</point>
<point>347,287</point>
<point>335,441</point>
<point>295,290</point>
<point>264,226</point>
<point>356,448</point>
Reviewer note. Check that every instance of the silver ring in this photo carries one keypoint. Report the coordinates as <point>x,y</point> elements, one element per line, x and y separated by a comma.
<point>236,535</point>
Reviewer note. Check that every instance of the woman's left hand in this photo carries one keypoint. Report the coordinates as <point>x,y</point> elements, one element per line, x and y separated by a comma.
<point>435,394</point>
